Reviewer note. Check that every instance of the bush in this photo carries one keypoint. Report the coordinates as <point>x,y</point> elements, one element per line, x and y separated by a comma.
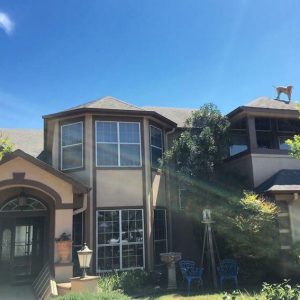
<point>281,291</point>
<point>133,280</point>
<point>103,295</point>
<point>109,282</point>
<point>129,281</point>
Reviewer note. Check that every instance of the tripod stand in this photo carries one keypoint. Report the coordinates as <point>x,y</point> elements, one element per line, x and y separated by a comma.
<point>209,247</point>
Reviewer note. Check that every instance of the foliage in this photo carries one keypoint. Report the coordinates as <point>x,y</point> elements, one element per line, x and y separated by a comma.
<point>63,237</point>
<point>103,295</point>
<point>233,296</point>
<point>281,291</point>
<point>109,282</point>
<point>128,281</point>
<point>6,146</point>
<point>203,145</point>
<point>294,144</point>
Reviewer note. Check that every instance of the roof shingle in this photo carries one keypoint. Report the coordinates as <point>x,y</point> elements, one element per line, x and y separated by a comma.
<point>30,141</point>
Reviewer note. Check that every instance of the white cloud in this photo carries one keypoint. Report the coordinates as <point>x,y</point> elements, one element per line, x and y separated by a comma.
<point>6,23</point>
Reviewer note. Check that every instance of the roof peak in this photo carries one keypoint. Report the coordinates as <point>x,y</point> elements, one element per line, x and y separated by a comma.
<point>107,102</point>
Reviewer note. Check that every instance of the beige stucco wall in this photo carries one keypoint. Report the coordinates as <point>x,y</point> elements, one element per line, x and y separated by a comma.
<point>119,188</point>
<point>32,172</point>
<point>266,165</point>
<point>294,211</point>
<point>158,189</point>
<point>63,223</point>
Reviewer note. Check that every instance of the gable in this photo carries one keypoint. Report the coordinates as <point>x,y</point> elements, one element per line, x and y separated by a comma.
<point>37,174</point>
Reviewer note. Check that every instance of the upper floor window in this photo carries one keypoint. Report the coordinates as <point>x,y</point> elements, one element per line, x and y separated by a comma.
<point>118,144</point>
<point>72,146</point>
<point>156,145</point>
<point>263,124</point>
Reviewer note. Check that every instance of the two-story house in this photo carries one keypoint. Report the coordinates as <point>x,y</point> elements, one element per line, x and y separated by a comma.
<point>92,172</point>
<point>95,178</point>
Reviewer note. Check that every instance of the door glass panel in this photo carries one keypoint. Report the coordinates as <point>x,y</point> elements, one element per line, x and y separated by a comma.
<point>6,245</point>
<point>23,240</point>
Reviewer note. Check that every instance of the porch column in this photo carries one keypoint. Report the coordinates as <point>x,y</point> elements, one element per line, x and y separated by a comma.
<point>63,223</point>
<point>251,132</point>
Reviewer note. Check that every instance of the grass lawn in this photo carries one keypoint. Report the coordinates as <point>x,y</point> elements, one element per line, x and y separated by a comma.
<point>243,296</point>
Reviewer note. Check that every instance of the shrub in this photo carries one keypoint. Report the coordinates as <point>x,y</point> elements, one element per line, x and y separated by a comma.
<point>133,280</point>
<point>281,291</point>
<point>109,282</point>
<point>128,281</point>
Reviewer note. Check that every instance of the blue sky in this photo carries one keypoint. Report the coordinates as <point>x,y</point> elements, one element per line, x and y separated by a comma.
<point>58,54</point>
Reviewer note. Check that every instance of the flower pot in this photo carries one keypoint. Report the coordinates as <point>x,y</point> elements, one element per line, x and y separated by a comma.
<point>64,251</point>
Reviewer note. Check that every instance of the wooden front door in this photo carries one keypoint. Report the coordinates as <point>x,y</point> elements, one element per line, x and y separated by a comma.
<point>21,248</point>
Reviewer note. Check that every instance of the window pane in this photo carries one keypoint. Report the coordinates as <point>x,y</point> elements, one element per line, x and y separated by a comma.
<point>129,133</point>
<point>72,157</point>
<point>110,245</point>
<point>107,154</point>
<point>262,124</point>
<point>238,144</point>
<point>160,232</point>
<point>287,125</point>
<point>156,154</point>
<point>156,136</point>
<point>71,134</point>
<point>132,256</point>
<point>282,144</point>
<point>130,155</point>
<point>264,140</point>
<point>107,132</point>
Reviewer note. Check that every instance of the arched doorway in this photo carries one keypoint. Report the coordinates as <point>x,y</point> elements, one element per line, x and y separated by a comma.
<point>24,238</point>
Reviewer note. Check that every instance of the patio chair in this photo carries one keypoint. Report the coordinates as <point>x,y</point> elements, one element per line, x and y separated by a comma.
<point>228,269</point>
<point>190,272</point>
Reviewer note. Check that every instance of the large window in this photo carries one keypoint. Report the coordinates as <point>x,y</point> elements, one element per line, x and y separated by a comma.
<point>78,240</point>
<point>160,234</point>
<point>118,144</point>
<point>156,145</point>
<point>120,239</point>
<point>72,146</point>
<point>238,137</point>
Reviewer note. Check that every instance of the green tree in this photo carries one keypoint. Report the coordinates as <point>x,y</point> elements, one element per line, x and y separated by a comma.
<point>294,144</point>
<point>6,146</point>
<point>202,146</point>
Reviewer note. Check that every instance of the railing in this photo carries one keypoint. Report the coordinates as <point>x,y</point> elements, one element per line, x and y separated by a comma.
<point>44,285</point>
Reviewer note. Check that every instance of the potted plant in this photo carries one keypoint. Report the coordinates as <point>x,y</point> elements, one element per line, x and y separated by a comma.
<point>64,247</point>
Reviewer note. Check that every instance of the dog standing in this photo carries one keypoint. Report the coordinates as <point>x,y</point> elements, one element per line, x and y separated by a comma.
<point>284,89</point>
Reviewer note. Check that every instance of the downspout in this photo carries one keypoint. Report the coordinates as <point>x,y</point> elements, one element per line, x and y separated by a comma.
<point>170,232</point>
<point>83,208</point>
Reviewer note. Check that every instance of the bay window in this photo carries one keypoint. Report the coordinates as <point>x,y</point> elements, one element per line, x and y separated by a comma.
<point>120,239</point>
<point>72,146</point>
<point>118,144</point>
<point>156,145</point>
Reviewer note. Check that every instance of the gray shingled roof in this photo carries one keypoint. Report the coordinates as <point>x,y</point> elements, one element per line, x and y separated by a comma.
<point>266,102</point>
<point>284,180</point>
<point>30,141</point>
<point>177,115</point>
<point>107,102</point>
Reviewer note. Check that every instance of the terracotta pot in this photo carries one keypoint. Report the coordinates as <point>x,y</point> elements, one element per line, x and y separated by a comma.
<point>64,250</point>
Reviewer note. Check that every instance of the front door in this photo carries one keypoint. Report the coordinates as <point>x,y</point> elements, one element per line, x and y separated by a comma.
<point>21,248</point>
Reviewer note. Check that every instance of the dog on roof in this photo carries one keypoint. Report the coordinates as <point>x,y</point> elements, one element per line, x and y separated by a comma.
<point>285,90</point>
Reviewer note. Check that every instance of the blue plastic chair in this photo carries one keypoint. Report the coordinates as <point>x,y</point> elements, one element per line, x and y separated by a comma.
<point>190,272</point>
<point>228,269</point>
